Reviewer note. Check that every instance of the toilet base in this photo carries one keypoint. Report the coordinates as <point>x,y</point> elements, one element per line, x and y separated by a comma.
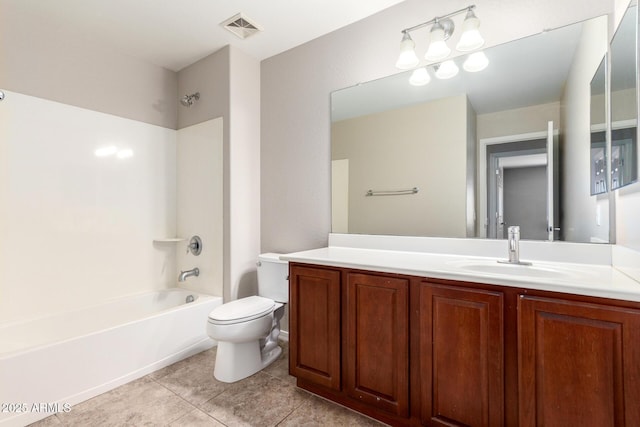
<point>236,361</point>
<point>271,356</point>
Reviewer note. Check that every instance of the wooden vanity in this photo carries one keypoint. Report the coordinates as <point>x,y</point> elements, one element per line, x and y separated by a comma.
<point>414,350</point>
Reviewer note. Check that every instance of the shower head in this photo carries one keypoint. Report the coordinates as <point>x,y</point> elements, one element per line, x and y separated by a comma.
<point>189,100</point>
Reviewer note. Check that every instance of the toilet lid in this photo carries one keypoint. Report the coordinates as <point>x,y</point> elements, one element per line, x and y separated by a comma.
<point>241,310</point>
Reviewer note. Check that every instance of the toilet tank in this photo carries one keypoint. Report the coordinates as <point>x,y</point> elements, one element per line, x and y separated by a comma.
<point>273,277</point>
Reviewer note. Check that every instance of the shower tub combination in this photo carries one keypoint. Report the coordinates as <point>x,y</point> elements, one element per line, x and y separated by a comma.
<point>55,362</point>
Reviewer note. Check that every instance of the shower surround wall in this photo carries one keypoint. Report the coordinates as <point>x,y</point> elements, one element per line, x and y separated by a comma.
<point>76,227</point>
<point>60,64</point>
<point>199,196</point>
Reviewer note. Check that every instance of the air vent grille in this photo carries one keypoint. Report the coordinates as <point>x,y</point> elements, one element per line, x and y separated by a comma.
<point>241,26</point>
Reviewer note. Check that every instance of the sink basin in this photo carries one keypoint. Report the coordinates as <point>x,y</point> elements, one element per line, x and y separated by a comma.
<point>493,267</point>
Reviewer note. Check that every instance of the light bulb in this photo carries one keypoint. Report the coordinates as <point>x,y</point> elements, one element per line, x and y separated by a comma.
<point>420,77</point>
<point>438,48</point>
<point>447,69</point>
<point>470,38</point>
<point>408,58</point>
<point>477,61</point>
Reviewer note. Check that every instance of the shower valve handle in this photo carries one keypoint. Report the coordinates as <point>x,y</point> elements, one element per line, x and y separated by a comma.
<point>195,245</point>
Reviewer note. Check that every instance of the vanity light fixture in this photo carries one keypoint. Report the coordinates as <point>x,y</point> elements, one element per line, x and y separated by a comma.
<point>441,30</point>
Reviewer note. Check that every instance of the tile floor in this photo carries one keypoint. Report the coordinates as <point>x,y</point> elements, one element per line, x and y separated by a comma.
<point>187,394</point>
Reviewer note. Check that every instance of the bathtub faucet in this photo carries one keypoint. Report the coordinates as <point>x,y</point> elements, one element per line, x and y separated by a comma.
<point>188,273</point>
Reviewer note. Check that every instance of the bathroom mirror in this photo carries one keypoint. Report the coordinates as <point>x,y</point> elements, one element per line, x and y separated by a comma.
<point>416,160</point>
<point>599,182</point>
<point>624,102</point>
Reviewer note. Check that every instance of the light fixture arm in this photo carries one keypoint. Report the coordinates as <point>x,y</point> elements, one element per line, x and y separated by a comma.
<point>437,19</point>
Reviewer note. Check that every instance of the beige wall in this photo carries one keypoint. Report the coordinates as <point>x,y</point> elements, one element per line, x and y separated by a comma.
<point>518,120</point>
<point>472,169</point>
<point>60,65</point>
<point>295,132</point>
<point>622,106</point>
<point>422,146</point>
<point>210,77</point>
<point>340,196</point>
<point>229,86</point>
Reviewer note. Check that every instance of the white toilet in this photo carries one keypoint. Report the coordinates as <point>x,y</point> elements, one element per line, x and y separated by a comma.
<point>247,329</point>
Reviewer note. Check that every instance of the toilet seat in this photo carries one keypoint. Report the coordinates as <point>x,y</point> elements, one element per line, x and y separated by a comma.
<point>241,310</point>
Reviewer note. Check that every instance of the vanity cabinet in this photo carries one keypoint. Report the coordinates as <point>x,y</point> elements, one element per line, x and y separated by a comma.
<point>419,351</point>
<point>314,326</point>
<point>461,355</point>
<point>579,363</point>
<point>377,341</point>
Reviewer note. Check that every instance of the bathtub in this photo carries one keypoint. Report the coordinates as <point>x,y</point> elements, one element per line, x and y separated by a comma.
<point>49,364</point>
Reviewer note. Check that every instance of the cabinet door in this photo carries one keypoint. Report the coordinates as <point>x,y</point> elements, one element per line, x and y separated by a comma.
<point>461,347</point>
<point>377,351</point>
<point>314,346</point>
<point>579,364</point>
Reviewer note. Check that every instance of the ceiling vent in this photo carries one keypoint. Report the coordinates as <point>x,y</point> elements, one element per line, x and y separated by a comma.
<point>241,26</point>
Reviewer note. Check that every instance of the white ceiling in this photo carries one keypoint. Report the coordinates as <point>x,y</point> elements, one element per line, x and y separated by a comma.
<point>176,33</point>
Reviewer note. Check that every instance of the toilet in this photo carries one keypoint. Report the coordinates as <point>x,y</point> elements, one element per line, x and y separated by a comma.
<point>247,329</point>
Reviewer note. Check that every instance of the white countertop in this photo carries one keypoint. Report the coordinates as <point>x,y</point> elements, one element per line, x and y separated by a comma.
<point>580,279</point>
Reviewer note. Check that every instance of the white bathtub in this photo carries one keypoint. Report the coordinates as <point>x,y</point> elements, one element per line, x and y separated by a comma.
<point>66,358</point>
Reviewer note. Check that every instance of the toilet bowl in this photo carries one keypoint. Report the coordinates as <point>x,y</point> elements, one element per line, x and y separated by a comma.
<point>247,329</point>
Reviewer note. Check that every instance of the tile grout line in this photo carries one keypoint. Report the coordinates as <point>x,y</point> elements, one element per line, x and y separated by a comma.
<point>195,407</point>
<point>290,413</point>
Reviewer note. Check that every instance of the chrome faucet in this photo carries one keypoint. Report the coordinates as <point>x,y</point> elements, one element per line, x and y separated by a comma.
<point>188,273</point>
<point>514,247</point>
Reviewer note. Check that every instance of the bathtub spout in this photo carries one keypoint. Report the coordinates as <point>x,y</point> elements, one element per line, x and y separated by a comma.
<point>188,273</point>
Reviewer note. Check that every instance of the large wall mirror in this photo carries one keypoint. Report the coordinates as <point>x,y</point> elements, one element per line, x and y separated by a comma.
<point>624,102</point>
<point>470,155</point>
